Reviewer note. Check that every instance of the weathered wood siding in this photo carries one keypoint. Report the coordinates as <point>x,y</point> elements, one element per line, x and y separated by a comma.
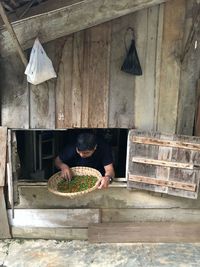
<point>83,79</point>
<point>164,163</point>
<point>190,70</point>
<point>92,91</point>
<point>14,93</point>
<point>115,205</point>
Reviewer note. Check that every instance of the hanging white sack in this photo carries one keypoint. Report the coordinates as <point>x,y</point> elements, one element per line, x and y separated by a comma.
<point>39,68</point>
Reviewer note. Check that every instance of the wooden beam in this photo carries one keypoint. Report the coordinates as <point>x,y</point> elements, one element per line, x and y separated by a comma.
<point>190,69</point>
<point>197,113</point>
<point>35,196</point>
<point>160,182</point>
<point>53,218</point>
<point>59,233</point>
<point>170,67</point>
<point>10,173</point>
<point>166,143</point>
<point>155,232</point>
<point>164,163</point>
<point>150,215</point>
<point>13,36</point>
<point>4,226</point>
<point>3,146</point>
<point>63,21</point>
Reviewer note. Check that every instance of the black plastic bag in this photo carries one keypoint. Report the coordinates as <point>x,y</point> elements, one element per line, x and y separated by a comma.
<point>131,63</point>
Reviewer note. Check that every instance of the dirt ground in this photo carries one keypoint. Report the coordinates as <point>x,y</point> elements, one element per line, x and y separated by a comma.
<point>52,253</point>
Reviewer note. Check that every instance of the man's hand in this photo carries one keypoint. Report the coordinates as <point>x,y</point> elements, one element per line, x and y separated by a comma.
<point>103,183</point>
<point>66,172</point>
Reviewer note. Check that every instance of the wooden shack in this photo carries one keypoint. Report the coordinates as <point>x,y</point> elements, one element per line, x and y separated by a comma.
<point>157,113</point>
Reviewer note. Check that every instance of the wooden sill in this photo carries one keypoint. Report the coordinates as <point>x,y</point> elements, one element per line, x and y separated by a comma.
<point>118,182</point>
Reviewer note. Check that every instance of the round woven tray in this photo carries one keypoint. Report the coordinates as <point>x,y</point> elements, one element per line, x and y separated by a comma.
<point>56,178</point>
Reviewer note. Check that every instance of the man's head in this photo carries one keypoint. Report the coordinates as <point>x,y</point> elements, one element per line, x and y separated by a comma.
<point>86,144</point>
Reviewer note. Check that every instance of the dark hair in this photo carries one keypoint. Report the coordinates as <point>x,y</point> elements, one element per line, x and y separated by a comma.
<point>86,141</point>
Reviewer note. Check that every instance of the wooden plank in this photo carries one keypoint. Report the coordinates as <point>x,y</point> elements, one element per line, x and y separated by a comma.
<point>54,218</point>
<point>118,184</point>
<point>197,113</point>
<point>174,15</point>
<point>63,89</point>
<point>150,215</point>
<point>121,102</point>
<point>4,229</point>
<point>164,163</point>
<point>14,93</point>
<point>147,146</point>
<point>156,232</point>
<point>35,197</point>
<point>98,75</point>
<point>42,96</point>
<point>164,153</point>
<point>166,143</point>
<point>41,106</point>
<point>146,44</point>
<point>10,173</point>
<point>50,233</point>
<point>190,69</point>
<point>13,35</point>
<point>77,78</point>
<point>83,80</point>
<point>63,21</point>
<point>3,147</point>
<point>16,165</point>
<point>155,181</point>
<point>158,64</point>
<point>86,81</point>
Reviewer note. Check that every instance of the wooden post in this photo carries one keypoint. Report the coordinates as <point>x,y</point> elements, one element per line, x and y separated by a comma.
<point>13,35</point>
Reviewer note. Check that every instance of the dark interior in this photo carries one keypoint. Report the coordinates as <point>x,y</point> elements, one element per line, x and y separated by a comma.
<point>37,150</point>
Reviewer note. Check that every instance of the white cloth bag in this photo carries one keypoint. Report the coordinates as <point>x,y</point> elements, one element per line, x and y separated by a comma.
<point>39,68</point>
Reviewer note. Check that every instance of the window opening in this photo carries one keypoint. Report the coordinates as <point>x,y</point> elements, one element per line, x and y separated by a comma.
<point>37,150</point>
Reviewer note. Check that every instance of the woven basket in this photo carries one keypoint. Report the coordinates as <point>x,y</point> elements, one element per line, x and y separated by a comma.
<point>56,178</point>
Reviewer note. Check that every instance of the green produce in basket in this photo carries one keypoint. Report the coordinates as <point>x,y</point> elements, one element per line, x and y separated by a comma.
<point>77,184</point>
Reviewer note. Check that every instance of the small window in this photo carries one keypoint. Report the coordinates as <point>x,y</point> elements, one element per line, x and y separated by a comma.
<point>37,150</point>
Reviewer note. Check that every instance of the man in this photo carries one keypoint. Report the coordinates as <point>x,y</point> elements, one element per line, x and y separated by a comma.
<point>88,152</point>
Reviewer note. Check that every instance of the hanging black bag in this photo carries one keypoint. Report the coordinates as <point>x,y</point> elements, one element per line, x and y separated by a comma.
<point>131,63</point>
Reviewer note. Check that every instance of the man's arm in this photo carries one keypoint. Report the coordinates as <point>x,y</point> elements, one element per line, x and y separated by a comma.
<point>65,170</point>
<point>109,173</point>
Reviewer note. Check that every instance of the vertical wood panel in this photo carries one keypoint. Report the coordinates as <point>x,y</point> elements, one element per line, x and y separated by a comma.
<point>190,70</point>
<point>86,81</point>
<point>174,14</point>
<point>146,29</point>
<point>4,226</point>
<point>77,78</point>
<point>98,75</point>
<point>158,65</point>
<point>121,95</point>
<point>85,101</point>
<point>63,91</point>
<point>42,96</point>
<point>164,153</point>
<point>3,146</point>
<point>14,93</point>
<point>197,113</point>
<point>42,106</point>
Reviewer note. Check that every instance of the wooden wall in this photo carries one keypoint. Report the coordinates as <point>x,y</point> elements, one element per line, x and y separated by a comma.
<point>91,91</point>
<point>46,215</point>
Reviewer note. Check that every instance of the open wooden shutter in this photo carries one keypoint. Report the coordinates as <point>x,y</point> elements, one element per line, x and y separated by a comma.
<point>163,163</point>
<point>4,226</point>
